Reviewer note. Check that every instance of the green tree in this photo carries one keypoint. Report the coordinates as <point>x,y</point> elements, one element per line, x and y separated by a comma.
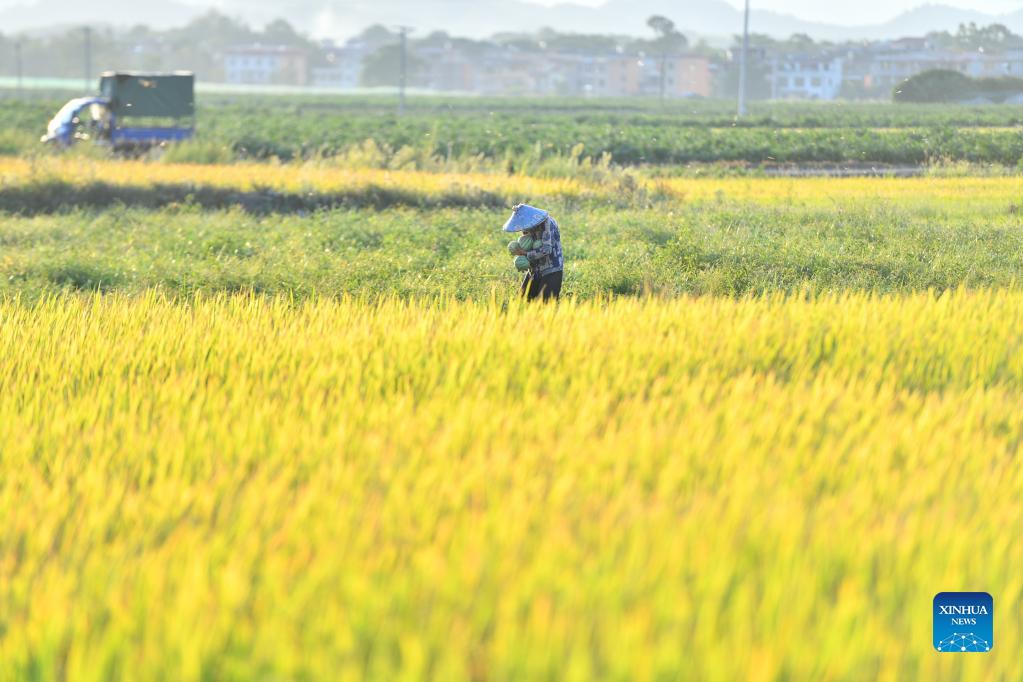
<point>800,41</point>
<point>971,38</point>
<point>937,85</point>
<point>213,30</point>
<point>382,68</point>
<point>988,38</point>
<point>377,36</point>
<point>280,32</point>
<point>550,39</point>
<point>669,39</point>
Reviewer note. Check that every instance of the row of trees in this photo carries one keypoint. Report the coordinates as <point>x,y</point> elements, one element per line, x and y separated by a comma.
<point>972,38</point>
<point>194,47</point>
<point>967,38</point>
<point>381,66</point>
<point>197,47</point>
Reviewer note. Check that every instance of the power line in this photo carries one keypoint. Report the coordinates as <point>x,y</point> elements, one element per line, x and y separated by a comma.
<point>742,62</point>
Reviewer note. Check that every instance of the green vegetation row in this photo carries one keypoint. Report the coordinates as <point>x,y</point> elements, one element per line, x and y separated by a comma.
<point>690,112</point>
<point>698,112</point>
<point>462,129</point>
<point>628,142</point>
<point>714,248</point>
<point>52,196</point>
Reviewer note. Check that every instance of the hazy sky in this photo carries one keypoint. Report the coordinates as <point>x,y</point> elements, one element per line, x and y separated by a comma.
<point>836,12</point>
<point>851,13</point>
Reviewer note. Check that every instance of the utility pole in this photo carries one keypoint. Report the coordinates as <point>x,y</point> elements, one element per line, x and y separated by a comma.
<point>87,35</point>
<point>403,32</point>
<point>18,67</point>
<point>742,62</point>
<point>664,73</point>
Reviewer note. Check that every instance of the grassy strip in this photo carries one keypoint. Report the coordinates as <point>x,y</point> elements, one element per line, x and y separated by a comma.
<point>44,185</point>
<point>57,195</point>
<point>727,247</point>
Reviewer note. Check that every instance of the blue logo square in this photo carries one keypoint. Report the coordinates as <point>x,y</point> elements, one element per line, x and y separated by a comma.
<point>964,622</point>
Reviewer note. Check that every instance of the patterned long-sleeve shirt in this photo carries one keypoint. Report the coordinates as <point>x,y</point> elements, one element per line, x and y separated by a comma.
<point>547,258</point>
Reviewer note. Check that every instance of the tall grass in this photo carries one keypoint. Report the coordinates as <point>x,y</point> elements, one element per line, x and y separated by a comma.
<point>40,185</point>
<point>574,177</point>
<point>314,229</point>
<point>240,487</point>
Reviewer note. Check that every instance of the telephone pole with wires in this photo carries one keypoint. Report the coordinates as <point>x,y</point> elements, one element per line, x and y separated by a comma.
<point>403,32</point>
<point>743,58</point>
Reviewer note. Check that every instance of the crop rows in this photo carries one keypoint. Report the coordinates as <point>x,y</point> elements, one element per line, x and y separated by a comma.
<point>682,134</point>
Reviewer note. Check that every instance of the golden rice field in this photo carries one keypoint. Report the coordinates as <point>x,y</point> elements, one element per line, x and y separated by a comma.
<point>319,178</point>
<point>254,488</point>
<point>426,482</point>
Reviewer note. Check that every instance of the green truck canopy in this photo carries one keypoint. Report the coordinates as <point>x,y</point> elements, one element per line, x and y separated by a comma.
<point>149,94</point>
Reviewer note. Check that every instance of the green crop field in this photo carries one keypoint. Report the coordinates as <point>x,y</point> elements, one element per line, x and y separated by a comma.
<point>506,132</point>
<point>271,409</point>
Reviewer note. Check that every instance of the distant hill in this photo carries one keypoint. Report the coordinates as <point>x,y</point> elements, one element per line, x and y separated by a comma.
<point>700,17</point>
<point>475,18</point>
<point>45,15</point>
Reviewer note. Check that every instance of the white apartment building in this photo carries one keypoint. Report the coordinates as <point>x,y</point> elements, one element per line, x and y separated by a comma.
<point>265,65</point>
<point>806,77</point>
<point>343,69</point>
<point>995,65</point>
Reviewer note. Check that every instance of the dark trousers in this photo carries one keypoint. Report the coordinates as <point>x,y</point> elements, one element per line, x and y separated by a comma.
<point>545,288</point>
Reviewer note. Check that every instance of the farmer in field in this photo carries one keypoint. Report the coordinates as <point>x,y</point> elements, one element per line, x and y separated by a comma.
<point>537,252</point>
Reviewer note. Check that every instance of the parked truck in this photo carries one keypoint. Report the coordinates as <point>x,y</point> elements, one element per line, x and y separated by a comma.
<point>133,112</point>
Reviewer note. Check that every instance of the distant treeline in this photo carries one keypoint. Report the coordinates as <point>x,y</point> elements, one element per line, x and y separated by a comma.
<point>195,47</point>
<point>199,46</point>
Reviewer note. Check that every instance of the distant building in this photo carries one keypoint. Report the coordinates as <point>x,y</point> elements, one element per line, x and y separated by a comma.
<point>600,75</point>
<point>509,71</point>
<point>890,69</point>
<point>447,64</point>
<point>614,74</point>
<point>622,76</point>
<point>882,67</point>
<point>906,45</point>
<point>995,65</point>
<point>857,72</point>
<point>266,65</point>
<point>447,69</point>
<point>343,67</point>
<point>684,76</point>
<point>806,77</point>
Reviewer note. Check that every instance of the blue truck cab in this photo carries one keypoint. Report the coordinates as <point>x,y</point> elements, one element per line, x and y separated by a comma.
<point>134,111</point>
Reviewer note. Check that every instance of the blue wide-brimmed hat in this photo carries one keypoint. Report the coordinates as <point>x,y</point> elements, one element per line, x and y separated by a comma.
<point>525,217</point>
